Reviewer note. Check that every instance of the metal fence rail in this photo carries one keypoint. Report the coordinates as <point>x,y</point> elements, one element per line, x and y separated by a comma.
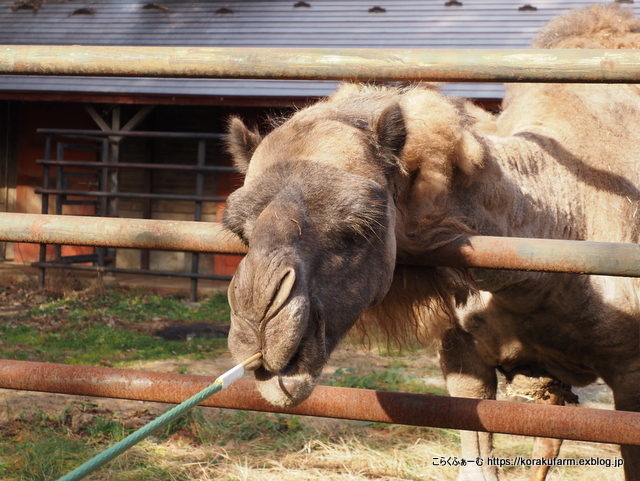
<point>442,65</point>
<point>546,255</point>
<point>116,232</point>
<point>595,425</point>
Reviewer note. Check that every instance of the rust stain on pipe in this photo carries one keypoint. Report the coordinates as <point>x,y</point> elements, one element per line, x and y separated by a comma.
<point>343,403</point>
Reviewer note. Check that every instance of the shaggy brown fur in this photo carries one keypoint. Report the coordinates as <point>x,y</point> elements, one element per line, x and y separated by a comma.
<point>600,26</point>
<point>343,189</point>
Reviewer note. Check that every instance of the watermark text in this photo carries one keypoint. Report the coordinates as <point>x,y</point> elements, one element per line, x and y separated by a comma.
<point>522,461</point>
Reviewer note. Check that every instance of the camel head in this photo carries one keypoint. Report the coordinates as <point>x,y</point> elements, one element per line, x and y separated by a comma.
<point>317,215</point>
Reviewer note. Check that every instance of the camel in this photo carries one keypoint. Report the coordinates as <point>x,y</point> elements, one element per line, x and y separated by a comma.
<point>340,194</point>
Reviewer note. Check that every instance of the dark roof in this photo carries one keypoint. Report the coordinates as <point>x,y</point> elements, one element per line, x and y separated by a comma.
<point>263,23</point>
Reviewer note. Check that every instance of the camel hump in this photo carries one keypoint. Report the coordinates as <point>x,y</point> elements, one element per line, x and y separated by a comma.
<point>598,26</point>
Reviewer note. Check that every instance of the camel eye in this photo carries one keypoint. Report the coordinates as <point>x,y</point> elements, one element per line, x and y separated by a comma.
<point>240,233</point>
<point>236,225</point>
<point>351,240</point>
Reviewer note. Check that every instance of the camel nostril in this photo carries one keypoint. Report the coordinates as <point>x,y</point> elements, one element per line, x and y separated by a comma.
<point>282,293</point>
<point>231,294</point>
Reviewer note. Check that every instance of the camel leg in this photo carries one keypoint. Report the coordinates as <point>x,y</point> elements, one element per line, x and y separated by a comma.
<point>547,448</point>
<point>468,376</point>
<point>627,400</point>
<point>544,448</point>
<point>631,456</point>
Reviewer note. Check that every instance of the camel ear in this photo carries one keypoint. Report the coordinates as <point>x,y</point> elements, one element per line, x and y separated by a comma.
<point>470,153</point>
<point>391,130</point>
<point>241,143</point>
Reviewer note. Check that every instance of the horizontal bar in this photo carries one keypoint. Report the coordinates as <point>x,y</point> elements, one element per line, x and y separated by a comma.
<point>80,202</point>
<point>585,424</point>
<point>137,272</point>
<point>115,232</point>
<point>546,255</point>
<point>481,65</point>
<point>78,259</point>
<point>542,255</point>
<point>81,175</point>
<point>90,148</point>
<point>132,195</point>
<point>132,133</point>
<point>129,165</point>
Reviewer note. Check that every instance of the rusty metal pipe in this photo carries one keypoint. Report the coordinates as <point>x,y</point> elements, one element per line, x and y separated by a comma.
<point>547,255</point>
<point>544,255</point>
<point>116,232</point>
<point>481,65</point>
<point>342,403</point>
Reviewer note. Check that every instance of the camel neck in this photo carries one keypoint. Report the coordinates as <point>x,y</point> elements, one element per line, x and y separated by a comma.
<point>521,193</point>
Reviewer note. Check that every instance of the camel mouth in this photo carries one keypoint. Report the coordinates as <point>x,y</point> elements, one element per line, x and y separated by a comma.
<point>291,369</point>
<point>286,375</point>
<point>286,391</point>
<point>288,386</point>
<point>292,366</point>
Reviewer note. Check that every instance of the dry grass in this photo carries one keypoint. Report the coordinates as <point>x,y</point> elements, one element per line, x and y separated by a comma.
<point>398,454</point>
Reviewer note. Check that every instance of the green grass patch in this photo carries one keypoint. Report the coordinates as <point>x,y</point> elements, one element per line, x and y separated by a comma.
<point>99,344</point>
<point>37,447</point>
<point>236,426</point>
<point>134,306</point>
<point>391,378</point>
<point>41,447</point>
<point>108,328</point>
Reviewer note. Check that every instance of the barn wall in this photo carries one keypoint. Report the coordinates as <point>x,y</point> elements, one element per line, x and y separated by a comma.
<point>29,146</point>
